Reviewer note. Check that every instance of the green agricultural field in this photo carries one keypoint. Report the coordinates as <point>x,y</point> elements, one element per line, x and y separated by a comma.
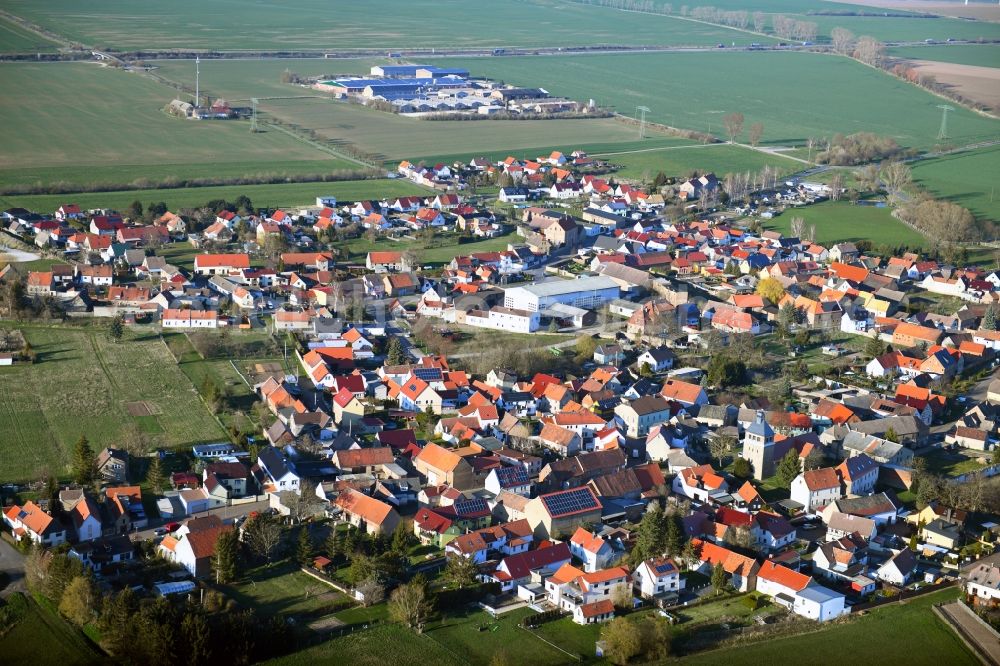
<point>320,24</point>
<point>886,28</point>
<point>982,55</point>
<point>968,179</point>
<point>15,39</point>
<point>84,384</point>
<point>927,640</point>
<point>397,137</point>
<point>718,157</point>
<point>120,176</point>
<point>841,221</point>
<point>273,196</point>
<point>794,95</point>
<point>84,115</point>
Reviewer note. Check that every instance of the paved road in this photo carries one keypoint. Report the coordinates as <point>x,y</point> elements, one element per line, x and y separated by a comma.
<point>226,513</point>
<point>982,638</point>
<point>12,564</point>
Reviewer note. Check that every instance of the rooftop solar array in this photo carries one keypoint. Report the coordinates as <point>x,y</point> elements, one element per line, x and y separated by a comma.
<point>427,374</point>
<point>512,476</point>
<point>570,501</point>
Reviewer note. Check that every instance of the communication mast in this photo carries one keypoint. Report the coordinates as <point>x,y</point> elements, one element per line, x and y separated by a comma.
<point>197,81</point>
<point>253,116</point>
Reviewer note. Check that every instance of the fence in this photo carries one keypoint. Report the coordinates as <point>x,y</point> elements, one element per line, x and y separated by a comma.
<point>902,596</point>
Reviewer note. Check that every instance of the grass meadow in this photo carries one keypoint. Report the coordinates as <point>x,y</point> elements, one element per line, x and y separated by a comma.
<point>840,221</point>
<point>291,194</point>
<point>881,632</point>
<point>83,384</point>
<point>42,637</point>
<point>794,95</point>
<point>320,24</point>
<point>968,179</point>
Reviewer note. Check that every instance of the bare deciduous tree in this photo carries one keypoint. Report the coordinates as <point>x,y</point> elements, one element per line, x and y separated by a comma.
<point>733,122</point>
<point>798,227</point>
<point>896,176</point>
<point>756,132</point>
<point>842,39</point>
<point>869,51</point>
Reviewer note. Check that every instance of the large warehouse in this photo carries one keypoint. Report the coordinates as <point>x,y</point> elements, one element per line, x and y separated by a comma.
<point>587,292</point>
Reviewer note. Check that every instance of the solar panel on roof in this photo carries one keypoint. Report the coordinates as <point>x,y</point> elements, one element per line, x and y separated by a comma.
<point>426,374</point>
<point>569,502</point>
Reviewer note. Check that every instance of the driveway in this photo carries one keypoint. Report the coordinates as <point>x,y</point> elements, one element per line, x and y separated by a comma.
<point>12,564</point>
<point>227,513</point>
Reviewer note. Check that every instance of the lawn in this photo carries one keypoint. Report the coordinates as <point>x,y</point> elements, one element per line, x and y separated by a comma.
<point>84,384</point>
<point>43,638</point>
<point>947,463</point>
<point>283,589</point>
<point>272,196</point>
<point>15,39</point>
<point>574,638</point>
<point>983,55</point>
<point>904,635</point>
<point>116,118</point>
<point>318,24</point>
<point>794,95</point>
<point>838,221</point>
<point>381,645</point>
<point>460,634</point>
<point>720,158</point>
<point>968,179</point>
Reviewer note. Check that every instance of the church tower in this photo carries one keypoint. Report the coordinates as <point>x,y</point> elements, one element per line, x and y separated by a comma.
<point>758,447</point>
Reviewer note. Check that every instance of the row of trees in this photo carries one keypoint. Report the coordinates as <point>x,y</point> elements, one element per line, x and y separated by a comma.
<point>858,148</point>
<point>789,28</point>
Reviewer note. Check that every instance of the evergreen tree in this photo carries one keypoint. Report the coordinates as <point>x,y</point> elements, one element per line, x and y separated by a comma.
<point>394,353</point>
<point>990,318</point>
<point>718,578</point>
<point>651,538</point>
<point>742,468</point>
<point>674,537</point>
<point>334,545</point>
<point>891,435</point>
<point>117,328</point>
<point>304,550</point>
<point>196,636</point>
<point>460,571</point>
<point>155,474</point>
<point>224,558</point>
<point>401,541</point>
<point>788,468</point>
<point>786,318</point>
<point>84,463</point>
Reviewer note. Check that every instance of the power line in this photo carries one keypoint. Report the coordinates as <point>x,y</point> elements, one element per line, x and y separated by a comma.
<point>943,132</point>
<point>253,116</point>
<point>643,110</point>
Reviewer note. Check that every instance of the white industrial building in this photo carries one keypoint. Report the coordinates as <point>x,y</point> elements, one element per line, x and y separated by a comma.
<point>504,319</point>
<point>587,292</point>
